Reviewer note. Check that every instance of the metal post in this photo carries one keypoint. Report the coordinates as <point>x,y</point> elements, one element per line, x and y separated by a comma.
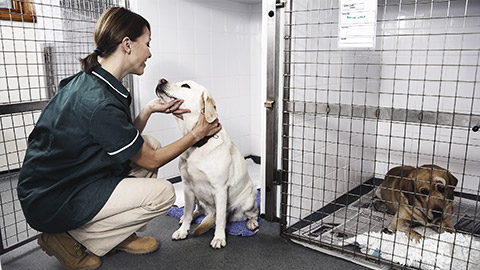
<point>272,112</point>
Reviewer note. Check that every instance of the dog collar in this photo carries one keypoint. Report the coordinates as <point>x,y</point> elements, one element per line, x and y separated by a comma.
<point>204,140</point>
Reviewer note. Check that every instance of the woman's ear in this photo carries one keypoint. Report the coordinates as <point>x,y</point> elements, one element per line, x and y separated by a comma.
<point>209,106</point>
<point>126,44</point>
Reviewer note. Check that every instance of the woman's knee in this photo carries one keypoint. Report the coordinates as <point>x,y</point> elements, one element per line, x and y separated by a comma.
<point>170,190</point>
<point>164,197</point>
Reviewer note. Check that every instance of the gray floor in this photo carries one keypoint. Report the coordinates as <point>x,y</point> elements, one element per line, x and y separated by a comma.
<point>265,250</point>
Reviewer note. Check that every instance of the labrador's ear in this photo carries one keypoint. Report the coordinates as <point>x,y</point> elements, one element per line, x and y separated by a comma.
<point>209,107</point>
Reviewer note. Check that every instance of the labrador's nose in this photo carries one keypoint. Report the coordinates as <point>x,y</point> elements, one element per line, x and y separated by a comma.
<point>159,89</point>
<point>163,81</point>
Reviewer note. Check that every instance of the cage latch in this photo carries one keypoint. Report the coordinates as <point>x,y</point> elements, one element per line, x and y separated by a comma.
<point>269,103</point>
<point>280,3</point>
<point>476,127</point>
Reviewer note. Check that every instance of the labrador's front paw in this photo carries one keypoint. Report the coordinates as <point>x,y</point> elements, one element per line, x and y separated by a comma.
<point>218,243</point>
<point>179,234</point>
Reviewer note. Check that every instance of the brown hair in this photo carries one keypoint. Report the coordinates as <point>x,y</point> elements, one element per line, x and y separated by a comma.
<point>113,25</point>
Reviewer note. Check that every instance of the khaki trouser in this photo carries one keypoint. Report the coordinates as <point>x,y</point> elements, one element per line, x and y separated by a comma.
<point>135,201</point>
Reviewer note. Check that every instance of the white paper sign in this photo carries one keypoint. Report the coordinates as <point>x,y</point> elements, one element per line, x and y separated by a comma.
<point>357,24</point>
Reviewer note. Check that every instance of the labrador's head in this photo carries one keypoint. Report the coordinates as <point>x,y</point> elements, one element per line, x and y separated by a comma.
<point>196,98</point>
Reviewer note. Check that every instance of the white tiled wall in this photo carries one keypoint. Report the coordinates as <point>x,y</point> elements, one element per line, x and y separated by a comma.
<point>217,44</point>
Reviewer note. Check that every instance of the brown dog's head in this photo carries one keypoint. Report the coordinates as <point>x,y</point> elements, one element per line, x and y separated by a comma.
<point>430,188</point>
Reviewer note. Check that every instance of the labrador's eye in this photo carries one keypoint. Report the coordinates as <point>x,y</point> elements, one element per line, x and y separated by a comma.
<point>185,85</point>
<point>441,189</point>
<point>424,191</point>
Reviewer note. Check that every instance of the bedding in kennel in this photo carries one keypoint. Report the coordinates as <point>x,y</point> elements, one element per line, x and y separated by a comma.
<point>361,225</point>
<point>369,86</point>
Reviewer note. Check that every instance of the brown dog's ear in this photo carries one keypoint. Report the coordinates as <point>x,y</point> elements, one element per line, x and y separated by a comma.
<point>408,184</point>
<point>209,107</point>
<point>451,184</point>
<point>452,180</point>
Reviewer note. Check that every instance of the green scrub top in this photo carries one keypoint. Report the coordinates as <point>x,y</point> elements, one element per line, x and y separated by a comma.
<point>78,152</point>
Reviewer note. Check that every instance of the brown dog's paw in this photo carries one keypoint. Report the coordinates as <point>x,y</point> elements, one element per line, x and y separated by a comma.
<point>446,229</point>
<point>387,231</point>
<point>413,235</point>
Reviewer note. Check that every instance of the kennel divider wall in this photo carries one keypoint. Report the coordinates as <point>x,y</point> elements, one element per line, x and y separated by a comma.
<point>350,115</point>
<point>38,49</point>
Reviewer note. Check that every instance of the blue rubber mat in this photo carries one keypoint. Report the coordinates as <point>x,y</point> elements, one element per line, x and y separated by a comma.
<point>233,228</point>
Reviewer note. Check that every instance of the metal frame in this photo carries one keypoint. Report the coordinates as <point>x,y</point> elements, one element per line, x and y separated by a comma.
<point>272,174</point>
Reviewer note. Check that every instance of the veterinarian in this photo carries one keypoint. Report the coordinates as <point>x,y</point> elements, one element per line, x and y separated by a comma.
<point>88,179</point>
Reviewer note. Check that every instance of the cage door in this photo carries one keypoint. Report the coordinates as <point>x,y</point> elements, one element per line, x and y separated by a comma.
<point>351,114</point>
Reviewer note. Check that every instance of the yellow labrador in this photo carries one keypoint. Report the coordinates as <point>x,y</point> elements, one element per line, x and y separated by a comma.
<point>213,171</point>
<point>418,196</point>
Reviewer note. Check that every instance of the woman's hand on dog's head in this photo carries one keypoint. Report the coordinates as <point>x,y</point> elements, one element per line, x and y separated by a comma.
<point>173,107</point>
<point>203,128</point>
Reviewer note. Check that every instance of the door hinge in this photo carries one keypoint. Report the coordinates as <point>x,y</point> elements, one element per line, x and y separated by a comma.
<point>278,177</point>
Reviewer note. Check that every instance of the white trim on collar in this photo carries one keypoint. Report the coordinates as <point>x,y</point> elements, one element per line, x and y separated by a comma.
<point>125,147</point>
<point>105,80</point>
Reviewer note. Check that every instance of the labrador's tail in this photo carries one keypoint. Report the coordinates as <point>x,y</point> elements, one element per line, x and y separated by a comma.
<point>207,223</point>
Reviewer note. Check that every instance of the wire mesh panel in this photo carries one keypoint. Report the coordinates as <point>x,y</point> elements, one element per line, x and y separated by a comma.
<point>40,44</point>
<point>351,115</point>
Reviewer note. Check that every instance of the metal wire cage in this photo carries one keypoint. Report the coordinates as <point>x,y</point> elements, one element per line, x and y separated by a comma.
<point>40,44</point>
<point>351,114</point>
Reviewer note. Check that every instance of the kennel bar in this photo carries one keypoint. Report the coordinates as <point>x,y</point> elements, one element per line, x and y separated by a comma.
<point>385,114</point>
<point>40,42</point>
<point>351,114</point>
<point>272,106</point>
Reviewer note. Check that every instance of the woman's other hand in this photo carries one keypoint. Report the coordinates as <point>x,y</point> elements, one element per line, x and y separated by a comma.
<point>156,105</point>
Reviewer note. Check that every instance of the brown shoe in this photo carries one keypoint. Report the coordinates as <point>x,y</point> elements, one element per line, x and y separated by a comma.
<point>68,251</point>
<point>138,245</point>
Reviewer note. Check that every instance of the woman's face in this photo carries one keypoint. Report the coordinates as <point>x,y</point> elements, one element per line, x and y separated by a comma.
<point>140,52</point>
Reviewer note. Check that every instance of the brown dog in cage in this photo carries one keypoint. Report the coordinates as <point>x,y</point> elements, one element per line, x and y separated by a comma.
<point>418,196</point>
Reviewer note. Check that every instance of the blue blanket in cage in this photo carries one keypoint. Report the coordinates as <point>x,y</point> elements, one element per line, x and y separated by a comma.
<point>233,228</point>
